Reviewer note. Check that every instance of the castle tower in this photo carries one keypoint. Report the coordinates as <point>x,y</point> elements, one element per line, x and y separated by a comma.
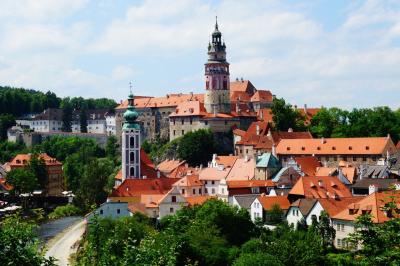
<point>130,142</point>
<point>217,98</point>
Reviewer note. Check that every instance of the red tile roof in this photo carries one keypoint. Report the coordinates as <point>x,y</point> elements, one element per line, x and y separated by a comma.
<point>374,145</point>
<point>136,187</point>
<point>308,164</point>
<point>265,114</point>
<point>198,200</point>
<point>373,204</point>
<point>189,181</point>
<point>267,202</point>
<point>243,86</point>
<point>167,166</point>
<point>250,183</point>
<point>226,161</point>
<point>23,159</point>
<point>4,185</point>
<point>334,206</point>
<point>320,187</point>
<point>262,96</point>
<point>192,108</point>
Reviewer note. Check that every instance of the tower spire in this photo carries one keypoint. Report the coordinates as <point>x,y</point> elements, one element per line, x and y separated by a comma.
<point>216,22</point>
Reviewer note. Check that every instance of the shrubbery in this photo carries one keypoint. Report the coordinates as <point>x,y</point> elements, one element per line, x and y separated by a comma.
<point>64,211</point>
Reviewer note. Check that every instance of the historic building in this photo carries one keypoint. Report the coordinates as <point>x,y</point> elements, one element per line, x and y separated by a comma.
<point>224,106</point>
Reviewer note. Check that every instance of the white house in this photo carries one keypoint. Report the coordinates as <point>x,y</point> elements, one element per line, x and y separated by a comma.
<point>110,124</point>
<point>171,203</point>
<point>243,201</point>
<point>111,210</point>
<point>50,120</point>
<point>256,210</point>
<point>299,211</point>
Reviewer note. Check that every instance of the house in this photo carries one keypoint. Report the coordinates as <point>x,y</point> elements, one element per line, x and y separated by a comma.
<point>286,178</point>
<point>171,202</point>
<point>212,177</point>
<point>110,123</point>
<point>132,189</point>
<point>346,172</point>
<point>244,201</point>
<point>267,165</point>
<point>373,204</point>
<point>307,165</point>
<point>190,186</point>
<point>330,151</point>
<point>299,210</point>
<point>262,204</point>
<point>245,187</point>
<point>224,161</point>
<point>148,205</point>
<point>318,187</point>
<point>370,185</point>
<point>198,200</point>
<point>112,210</point>
<point>50,120</point>
<point>259,139</point>
<point>55,181</point>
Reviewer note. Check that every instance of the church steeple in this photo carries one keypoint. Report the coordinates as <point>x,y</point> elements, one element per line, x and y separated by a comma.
<point>131,141</point>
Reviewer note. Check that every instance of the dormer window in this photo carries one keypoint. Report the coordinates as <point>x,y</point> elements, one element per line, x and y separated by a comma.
<point>333,148</point>
<point>319,148</point>
<point>303,148</point>
<point>288,148</point>
<point>350,148</point>
<point>367,148</point>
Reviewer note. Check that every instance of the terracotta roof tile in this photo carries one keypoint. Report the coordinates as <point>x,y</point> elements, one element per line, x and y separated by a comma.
<point>243,169</point>
<point>198,200</point>
<point>167,166</point>
<point>372,204</point>
<point>250,183</point>
<point>189,181</point>
<point>243,86</point>
<point>267,202</point>
<point>137,187</point>
<point>265,114</point>
<point>262,96</point>
<point>23,159</point>
<point>320,187</point>
<point>226,161</point>
<point>373,145</point>
<point>308,164</point>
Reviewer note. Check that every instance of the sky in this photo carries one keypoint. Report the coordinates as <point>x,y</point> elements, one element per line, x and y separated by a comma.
<point>321,53</point>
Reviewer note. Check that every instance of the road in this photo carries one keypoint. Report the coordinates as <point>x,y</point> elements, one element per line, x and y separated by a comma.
<point>61,247</point>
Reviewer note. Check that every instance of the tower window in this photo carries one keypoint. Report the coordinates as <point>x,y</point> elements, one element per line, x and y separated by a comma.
<point>132,142</point>
<point>132,172</point>
<point>225,85</point>
<point>132,157</point>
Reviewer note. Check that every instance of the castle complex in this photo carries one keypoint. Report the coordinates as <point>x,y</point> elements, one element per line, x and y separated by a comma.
<point>224,106</point>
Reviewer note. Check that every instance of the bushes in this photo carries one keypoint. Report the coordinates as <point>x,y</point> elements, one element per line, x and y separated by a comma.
<point>64,211</point>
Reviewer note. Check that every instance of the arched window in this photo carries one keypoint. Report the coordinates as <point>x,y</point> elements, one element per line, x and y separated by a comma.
<point>132,142</point>
<point>132,157</point>
<point>132,172</point>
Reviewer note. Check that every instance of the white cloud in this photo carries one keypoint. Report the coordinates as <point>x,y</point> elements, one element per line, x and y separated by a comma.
<point>123,73</point>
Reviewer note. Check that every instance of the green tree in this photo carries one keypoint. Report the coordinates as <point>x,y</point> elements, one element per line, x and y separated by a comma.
<point>83,121</point>
<point>19,244</point>
<point>285,117</point>
<point>22,180</point>
<point>257,259</point>
<point>112,149</point>
<point>197,147</point>
<point>274,215</point>
<point>37,167</point>
<point>93,184</point>
<point>66,117</point>
<point>6,121</point>
<point>326,230</point>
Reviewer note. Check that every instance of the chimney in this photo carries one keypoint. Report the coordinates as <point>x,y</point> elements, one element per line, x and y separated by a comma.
<point>237,107</point>
<point>273,150</point>
<point>323,140</point>
<point>158,174</point>
<point>372,189</point>
<point>320,183</point>
<point>215,110</point>
<point>144,177</point>
<point>258,130</point>
<point>290,129</point>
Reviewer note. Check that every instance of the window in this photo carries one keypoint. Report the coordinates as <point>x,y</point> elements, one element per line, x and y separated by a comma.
<point>191,121</point>
<point>200,191</point>
<point>118,211</point>
<point>225,85</point>
<point>194,191</point>
<point>182,121</point>
<point>174,132</point>
<point>354,158</point>
<point>212,182</point>
<point>171,210</point>
<point>132,171</point>
<point>132,157</point>
<point>132,142</point>
<point>173,198</point>
<point>206,123</point>
<point>183,132</point>
<point>255,190</point>
<point>183,191</point>
<point>339,242</point>
<point>226,122</point>
<point>101,212</point>
<point>213,191</point>
<point>222,191</point>
<point>205,190</point>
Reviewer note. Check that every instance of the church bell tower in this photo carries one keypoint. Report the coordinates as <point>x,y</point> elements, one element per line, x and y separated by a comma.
<point>130,142</point>
<point>217,96</point>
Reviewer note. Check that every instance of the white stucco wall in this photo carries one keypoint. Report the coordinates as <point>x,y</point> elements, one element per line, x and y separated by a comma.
<point>316,210</point>
<point>256,210</point>
<point>294,216</point>
<point>112,210</point>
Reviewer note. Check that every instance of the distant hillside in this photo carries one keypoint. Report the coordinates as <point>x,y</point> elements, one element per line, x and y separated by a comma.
<point>19,101</point>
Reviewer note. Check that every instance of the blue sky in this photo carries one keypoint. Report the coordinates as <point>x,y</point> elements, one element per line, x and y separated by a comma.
<point>320,53</point>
